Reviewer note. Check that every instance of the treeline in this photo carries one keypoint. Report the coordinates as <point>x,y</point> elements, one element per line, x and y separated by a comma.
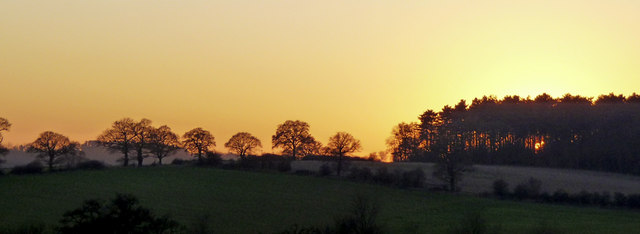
<point>138,140</point>
<point>568,132</point>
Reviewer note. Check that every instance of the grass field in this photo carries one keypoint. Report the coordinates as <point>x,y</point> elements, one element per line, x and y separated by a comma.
<point>252,202</point>
<point>481,178</point>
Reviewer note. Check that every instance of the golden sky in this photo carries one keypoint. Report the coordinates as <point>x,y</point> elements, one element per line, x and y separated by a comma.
<point>74,67</point>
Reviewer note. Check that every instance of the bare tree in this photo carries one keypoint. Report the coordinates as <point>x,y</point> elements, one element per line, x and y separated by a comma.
<point>141,133</point>
<point>198,141</point>
<point>243,143</point>
<point>119,138</point>
<point>342,144</point>
<point>292,136</point>
<point>4,126</point>
<point>51,146</point>
<point>163,142</point>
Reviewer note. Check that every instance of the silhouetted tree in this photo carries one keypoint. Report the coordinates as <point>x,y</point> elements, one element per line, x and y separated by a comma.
<point>292,137</point>
<point>342,144</point>
<point>243,143</point>
<point>122,215</point>
<point>610,99</point>
<point>4,126</point>
<point>51,146</point>
<point>141,133</point>
<point>404,143</point>
<point>198,141</point>
<point>162,142</point>
<point>313,148</point>
<point>119,138</point>
<point>571,131</point>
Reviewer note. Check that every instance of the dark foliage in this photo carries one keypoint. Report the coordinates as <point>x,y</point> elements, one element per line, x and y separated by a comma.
<point>325,170</point>
<point>500,188</point>
<point>303,172</point>
<point>34,167</point>
<point>122,215</point>
<point>412,179</point>
<point>91,165</point>
<point>568,132</point>
<point>383,176</point>
<point>179,161</point>
<point>360,174</point>
<point>210,159</point>
<point>529,189</point>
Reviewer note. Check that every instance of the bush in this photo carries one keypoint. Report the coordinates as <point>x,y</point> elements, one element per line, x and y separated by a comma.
<point>210,159</point>
<point>122,215</point>
<point>284,166</point>
<point>500,188</point>
<point>620,200</point>
<point>91,165</point>
<point>414,178</point>
<point>360,174</point>
<point>325,170</point>
<point>633,201</point>
<point>179,161</point>
<point>362,219</point>
<point>383,176</point>
<point>303,172</point>
<point>528,189</point>
<point>34,167</point>
<point>560,196</point>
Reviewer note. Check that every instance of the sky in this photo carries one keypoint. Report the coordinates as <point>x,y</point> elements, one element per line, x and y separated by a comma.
<point>362,67</point>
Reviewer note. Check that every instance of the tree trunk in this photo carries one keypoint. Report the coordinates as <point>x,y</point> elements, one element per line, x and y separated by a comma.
<point>339,164</point>
<point>51,157</point>
<point>160,161</point>
<point>140,158</point>
<point>126,159</point>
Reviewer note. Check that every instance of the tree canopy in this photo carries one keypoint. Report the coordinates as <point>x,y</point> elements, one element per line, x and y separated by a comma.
<point>243,143</point>
<point>120,138</point>
<point>198,141</point>
<point>51,147</point>
<point>294,139</point>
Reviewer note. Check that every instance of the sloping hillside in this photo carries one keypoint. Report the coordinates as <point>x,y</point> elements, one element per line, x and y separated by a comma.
<point>252,202</point>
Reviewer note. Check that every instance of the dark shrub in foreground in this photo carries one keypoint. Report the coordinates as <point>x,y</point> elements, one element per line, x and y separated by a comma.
<point>500,188</point>
<point>122,215</point>
<point>91,165</point>
<point>34,167</point>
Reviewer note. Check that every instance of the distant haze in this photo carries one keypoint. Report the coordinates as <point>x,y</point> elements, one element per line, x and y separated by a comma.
<point>74,67</point>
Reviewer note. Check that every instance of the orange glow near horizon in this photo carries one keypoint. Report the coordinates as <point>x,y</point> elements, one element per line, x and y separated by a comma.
<point>74,67</point>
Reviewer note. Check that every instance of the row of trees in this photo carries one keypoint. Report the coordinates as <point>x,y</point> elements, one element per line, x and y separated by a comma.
<point>137,140</point>
<point>571,131</point>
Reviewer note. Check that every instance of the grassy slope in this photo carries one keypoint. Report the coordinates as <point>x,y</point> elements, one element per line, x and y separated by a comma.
<point>249,202</point>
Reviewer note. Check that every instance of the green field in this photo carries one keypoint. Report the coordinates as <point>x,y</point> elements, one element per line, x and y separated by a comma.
<point>252,202</point>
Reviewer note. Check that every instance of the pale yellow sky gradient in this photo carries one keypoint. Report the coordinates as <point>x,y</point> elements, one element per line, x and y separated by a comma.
<point>74,67</point>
